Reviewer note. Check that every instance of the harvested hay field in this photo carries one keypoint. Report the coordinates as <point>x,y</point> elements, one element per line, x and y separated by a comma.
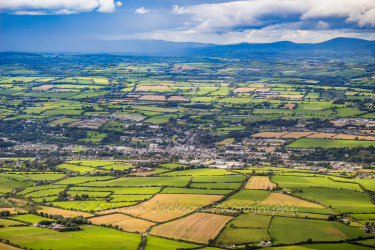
<point>152,98</point>
<point>243,90</point>
<point>4,246</point>
<point>44,87</point>
<point>289,106</point>
<point>296,135</point>
<point>322,135</point>
<point>162,207</point>
<point>335,232</point>
<point>125,222</point>
<point>148,88</point>
<point>270,134</point>
<point>260,182</point>
<point>292,96</point>
<point>178,99</point>
<point>63,212</point>
<point>263,90</point>
<point>278,199</point>
<point>11,210</point>
<point>198,227</point>
<point>353,137</point>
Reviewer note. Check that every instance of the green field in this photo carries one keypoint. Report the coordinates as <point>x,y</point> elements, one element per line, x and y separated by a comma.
<point>328,143</point>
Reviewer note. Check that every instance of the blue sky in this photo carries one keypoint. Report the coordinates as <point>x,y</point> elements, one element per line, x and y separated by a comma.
<point>25,22</point>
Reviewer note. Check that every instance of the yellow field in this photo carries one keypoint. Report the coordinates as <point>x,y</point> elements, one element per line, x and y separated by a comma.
<point>278,199</point>
<point>197,227</point>
<point>352,137</point>
<point>125,222</point>
<point>243,90</point>
<point>263,90</point>
<point>63,212</point>
<point>164,207</point>
<point>260,182</point>
<point>44,87</point>
<point>321,135</point>
<point>270,134</point>
<point>292,96</point>
<point>178,98</point>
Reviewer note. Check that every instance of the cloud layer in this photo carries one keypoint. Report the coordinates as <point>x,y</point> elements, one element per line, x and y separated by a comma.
<point>57,7</point>
<point>271,20</point>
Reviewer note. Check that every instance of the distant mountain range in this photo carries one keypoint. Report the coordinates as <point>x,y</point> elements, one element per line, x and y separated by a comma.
<point>337,46</point>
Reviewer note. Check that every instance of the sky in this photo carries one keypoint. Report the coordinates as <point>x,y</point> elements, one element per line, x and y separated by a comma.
<point>31,22</point>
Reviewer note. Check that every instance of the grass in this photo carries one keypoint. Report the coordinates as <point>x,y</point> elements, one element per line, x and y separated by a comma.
<point>82,179</point>
<point>233,236</point>
<point>46,192</point>
<point>198,172</point>
<point>143,182</point>
<point>39,238</point>
<point>63,121</point>
<point>30,218</point>
<point>154,243</point>
<point>328,143</point>
<point>227,178</point>
<point>45,177</point>
<point>75,168</point>
<point>293,230</point>
<point>171,190</point>
<point>7,185</point>
<point>342,200</point>
<point>216,185</point>
<point>298,182</point>
<point>245,198</point>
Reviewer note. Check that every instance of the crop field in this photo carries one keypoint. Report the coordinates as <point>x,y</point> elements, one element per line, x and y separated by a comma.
<point>197,227</point>
<point>226,178</point>
<point>127,223</point>
<point>292,230</point>
<point>30,218</point>
<point>260,182</point>
<point>43,177</point>
<point>164,207</point>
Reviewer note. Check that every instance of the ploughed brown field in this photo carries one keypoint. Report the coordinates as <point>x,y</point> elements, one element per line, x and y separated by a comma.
<point>178,98</point>
<point>198,227</point>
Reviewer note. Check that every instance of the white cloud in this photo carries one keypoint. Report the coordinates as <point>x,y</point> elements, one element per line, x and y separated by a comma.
<point>30,13</point>
<point>57,7</point>
<point>141,11</point>
<point>118,4</point>
<point>216,17</point>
